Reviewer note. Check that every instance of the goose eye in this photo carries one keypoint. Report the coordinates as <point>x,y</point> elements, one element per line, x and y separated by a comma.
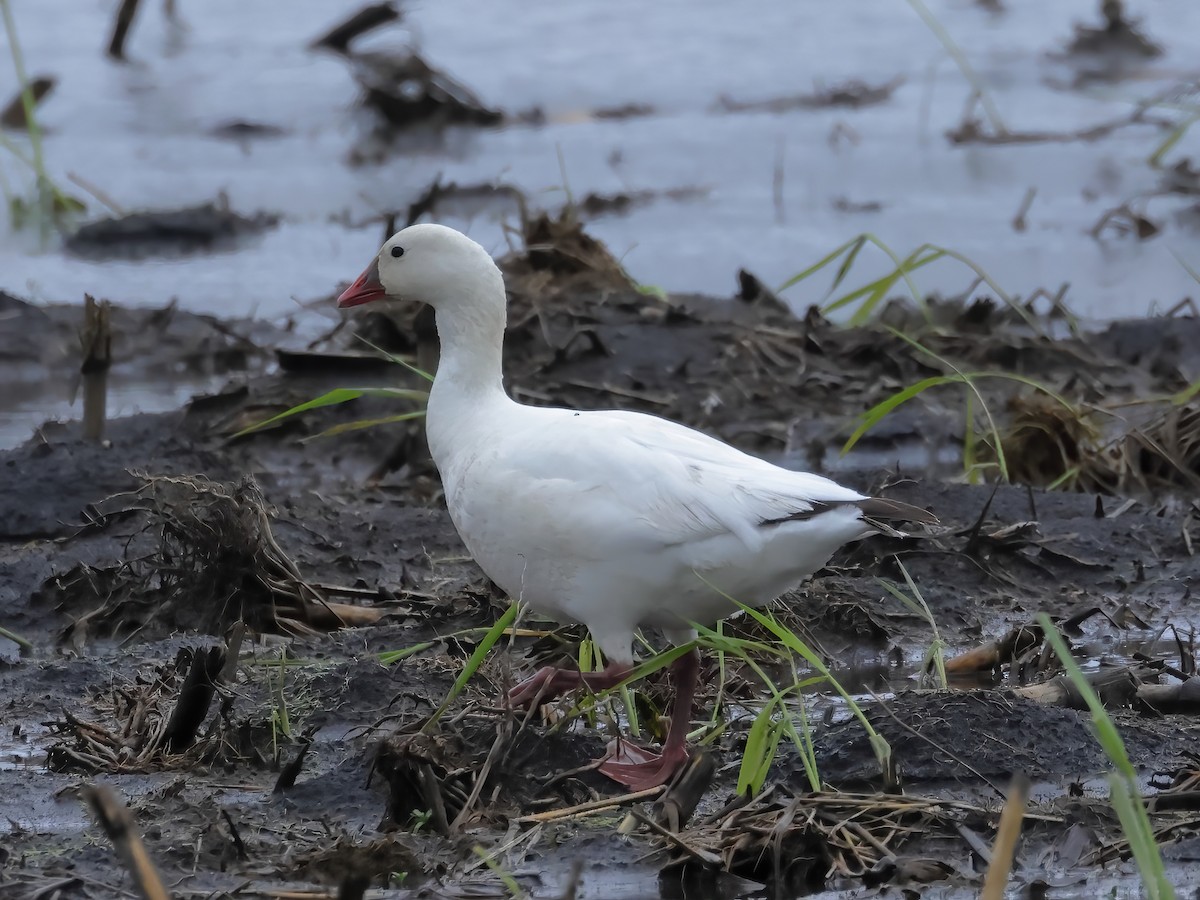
<point>397,252</point>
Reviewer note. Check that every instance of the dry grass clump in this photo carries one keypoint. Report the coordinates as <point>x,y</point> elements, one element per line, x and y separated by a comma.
<point>559,257</point>
<point>214,561</point>
<point>1049,445</point>
<point>797,842</point>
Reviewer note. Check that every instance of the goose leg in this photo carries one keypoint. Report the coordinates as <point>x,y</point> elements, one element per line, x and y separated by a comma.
<point>549,682</point>
<point>638,768</point>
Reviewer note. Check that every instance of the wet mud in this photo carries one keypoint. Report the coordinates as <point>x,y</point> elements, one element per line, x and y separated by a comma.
<point>246,636</point>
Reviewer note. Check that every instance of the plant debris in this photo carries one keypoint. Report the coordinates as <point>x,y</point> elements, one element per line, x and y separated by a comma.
<point>852,94</point>
<point>158,232</point>
<point>406,91</point>
<point>156,722</point>
<point>1118,38</point>
<point>795,843</point>
<point>13,115</point>
<point>213,561</point>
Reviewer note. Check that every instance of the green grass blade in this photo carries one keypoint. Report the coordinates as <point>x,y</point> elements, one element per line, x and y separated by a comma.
<point>758,747</point>
<point>1124,794</point>
<point>398,360</point>
<point>507,878</point>
<point>16,639</point>
<point>717,640</point>
<point>1187,394</point>
<point>1171,140</point>
<point>969,382</point>
<point>872,416</point>
<point>987,279</point>
<point>333,398</point>
<point>915,602</point>
<point>359,424</point>
<point>793,642</point>
<point>847,264</point>
<point>472,666</point>
<point>960,59</point>
<point>876,292</point>
<point>388,657</point>
<point>761,745</point>
<point>818,265</point>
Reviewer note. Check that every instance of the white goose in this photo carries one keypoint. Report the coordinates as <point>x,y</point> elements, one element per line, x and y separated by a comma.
<point>612,519</point>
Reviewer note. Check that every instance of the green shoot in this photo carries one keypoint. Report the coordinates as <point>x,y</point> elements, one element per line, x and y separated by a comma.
<point>398,360</point>
<point>790,640</point>
<point>1066,478</point>
<point>359,424</point>
<point>335,397</point>
<point>719,703</point>
<point>871,295</point>
<point>588,662</point>
<point>473,664</point>
<point>280,720</point>
<point>1123,788</point>
<point>16,639</point>
<point>388,657</point>
<point>935,654</point>
<point>1188,394</point>
<point>761,743</point>
<point>1168,143</point>
<point>875,414</point>
<point>767,730</point>
<point>506,877</point>
<point>652,290</point>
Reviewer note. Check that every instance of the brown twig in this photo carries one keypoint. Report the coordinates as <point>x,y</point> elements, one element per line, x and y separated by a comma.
<point>96,339</point>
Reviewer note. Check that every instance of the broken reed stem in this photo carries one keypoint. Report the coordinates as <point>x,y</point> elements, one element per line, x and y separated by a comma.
<point>1007,833</point>
<point>96,339</point>
<point>115,818</point>
<point>116,46</point>
<point>195,697</point>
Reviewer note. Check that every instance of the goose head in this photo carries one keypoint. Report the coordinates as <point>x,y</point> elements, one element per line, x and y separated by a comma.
<point>428,264</point>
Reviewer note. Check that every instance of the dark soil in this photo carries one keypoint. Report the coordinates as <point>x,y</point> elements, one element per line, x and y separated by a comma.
<point>361,518</point>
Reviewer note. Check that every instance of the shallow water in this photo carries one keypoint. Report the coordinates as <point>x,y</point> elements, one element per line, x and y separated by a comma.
<point>141,133</point>
<point>26,406</point>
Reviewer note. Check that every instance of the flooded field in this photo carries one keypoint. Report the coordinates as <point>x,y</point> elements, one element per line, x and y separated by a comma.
<point>780,188</point>
<point>236,663</point>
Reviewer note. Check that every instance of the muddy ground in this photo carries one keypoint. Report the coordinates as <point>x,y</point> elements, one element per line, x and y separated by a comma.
<point>127,564</point>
